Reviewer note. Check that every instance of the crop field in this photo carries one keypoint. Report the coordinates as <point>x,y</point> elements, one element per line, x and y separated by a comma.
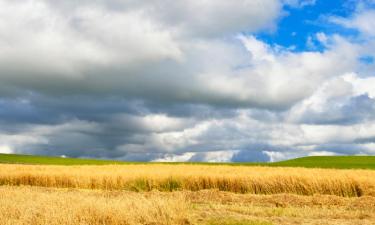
<point>51,206</point>
<point>183,194</point>
<point>164,177</point>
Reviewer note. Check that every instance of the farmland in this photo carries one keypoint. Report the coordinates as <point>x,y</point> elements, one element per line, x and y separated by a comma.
<point>164,177</point>
<point>334,162</point>
<point>80,191</point>
<point>51,206</point>
<point>46,160</point>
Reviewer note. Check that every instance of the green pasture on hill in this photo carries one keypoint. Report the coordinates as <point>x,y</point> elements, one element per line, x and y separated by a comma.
<point>338,162</point>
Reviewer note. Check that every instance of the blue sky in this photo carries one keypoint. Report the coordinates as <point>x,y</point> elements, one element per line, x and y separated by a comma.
<point>298,24</point>
<point>166,80</point>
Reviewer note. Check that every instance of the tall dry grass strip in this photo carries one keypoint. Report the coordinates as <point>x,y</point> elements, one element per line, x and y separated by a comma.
<point>239,179</point>
<point>36,206</point>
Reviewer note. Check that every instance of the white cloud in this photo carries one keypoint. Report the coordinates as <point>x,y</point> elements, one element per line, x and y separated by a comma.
<point>346,99</point>
<point>279,76</point>
<point>71,38</point>
<point>70,44</point>
<point>10,143</point>
<point>176,158</point>
<point>363,20</point>
<point>5,149</point>
<point>216,156</point>
<point>322,153</point>
<point>362,86</point>
<point>300,3</point>
<point>322,38</point>
<point>133,51</point>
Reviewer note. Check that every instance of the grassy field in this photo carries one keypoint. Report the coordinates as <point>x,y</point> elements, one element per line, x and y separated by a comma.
<point>45,191</point>
<point>333,162</point>
<point>46,160</point>
<point>51,206</point>
<point>177,177</point>
<point>337,162</point>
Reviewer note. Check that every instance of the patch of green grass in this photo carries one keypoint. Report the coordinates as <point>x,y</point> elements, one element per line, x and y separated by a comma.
<point>171,184</point>
<point>47,160</point>
<point>336,162</point>
<point>139,185</point>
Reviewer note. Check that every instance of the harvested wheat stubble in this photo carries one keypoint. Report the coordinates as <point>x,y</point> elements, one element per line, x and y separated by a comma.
<point>254,180</point>
<point>29,205</point>
<point>41,206</point>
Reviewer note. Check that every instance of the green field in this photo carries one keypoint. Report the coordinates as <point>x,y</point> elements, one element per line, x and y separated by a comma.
<point>338,162</point>
<point>47,160</point>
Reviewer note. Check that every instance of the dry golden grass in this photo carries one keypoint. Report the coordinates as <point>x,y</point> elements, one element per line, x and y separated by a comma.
<point>284,209</point>
<point>40,206</point>
<point>202,195</point>
<point>239,179</point>
<point>52,206</point>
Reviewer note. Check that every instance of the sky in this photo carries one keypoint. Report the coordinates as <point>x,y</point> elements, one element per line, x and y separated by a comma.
<point>187,80</point>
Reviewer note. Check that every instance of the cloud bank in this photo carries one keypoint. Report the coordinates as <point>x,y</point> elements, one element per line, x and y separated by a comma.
<point>179,81</point>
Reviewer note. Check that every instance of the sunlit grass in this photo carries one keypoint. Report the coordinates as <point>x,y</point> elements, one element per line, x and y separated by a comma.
<point>237,222</point>
<point>165,177</point>
<point>334,162</point>
<point>28,205</point>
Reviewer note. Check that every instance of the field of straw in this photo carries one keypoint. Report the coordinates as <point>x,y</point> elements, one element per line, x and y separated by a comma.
<point>162,177</point>
<point>162,194</point>
<point>59,206</point>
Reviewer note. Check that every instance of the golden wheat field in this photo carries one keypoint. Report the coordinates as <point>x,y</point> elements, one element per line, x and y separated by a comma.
<point>164,177</point>
<point>158,194</point>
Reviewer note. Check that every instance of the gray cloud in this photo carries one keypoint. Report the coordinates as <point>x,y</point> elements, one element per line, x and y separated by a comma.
<point>352,110</point>
<point>250,156</point>
<point>126,51</point>
<point>175,81</point>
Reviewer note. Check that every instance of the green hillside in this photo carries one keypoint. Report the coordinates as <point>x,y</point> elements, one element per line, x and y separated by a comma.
<point>47,160</point>
<point>339,162</point>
